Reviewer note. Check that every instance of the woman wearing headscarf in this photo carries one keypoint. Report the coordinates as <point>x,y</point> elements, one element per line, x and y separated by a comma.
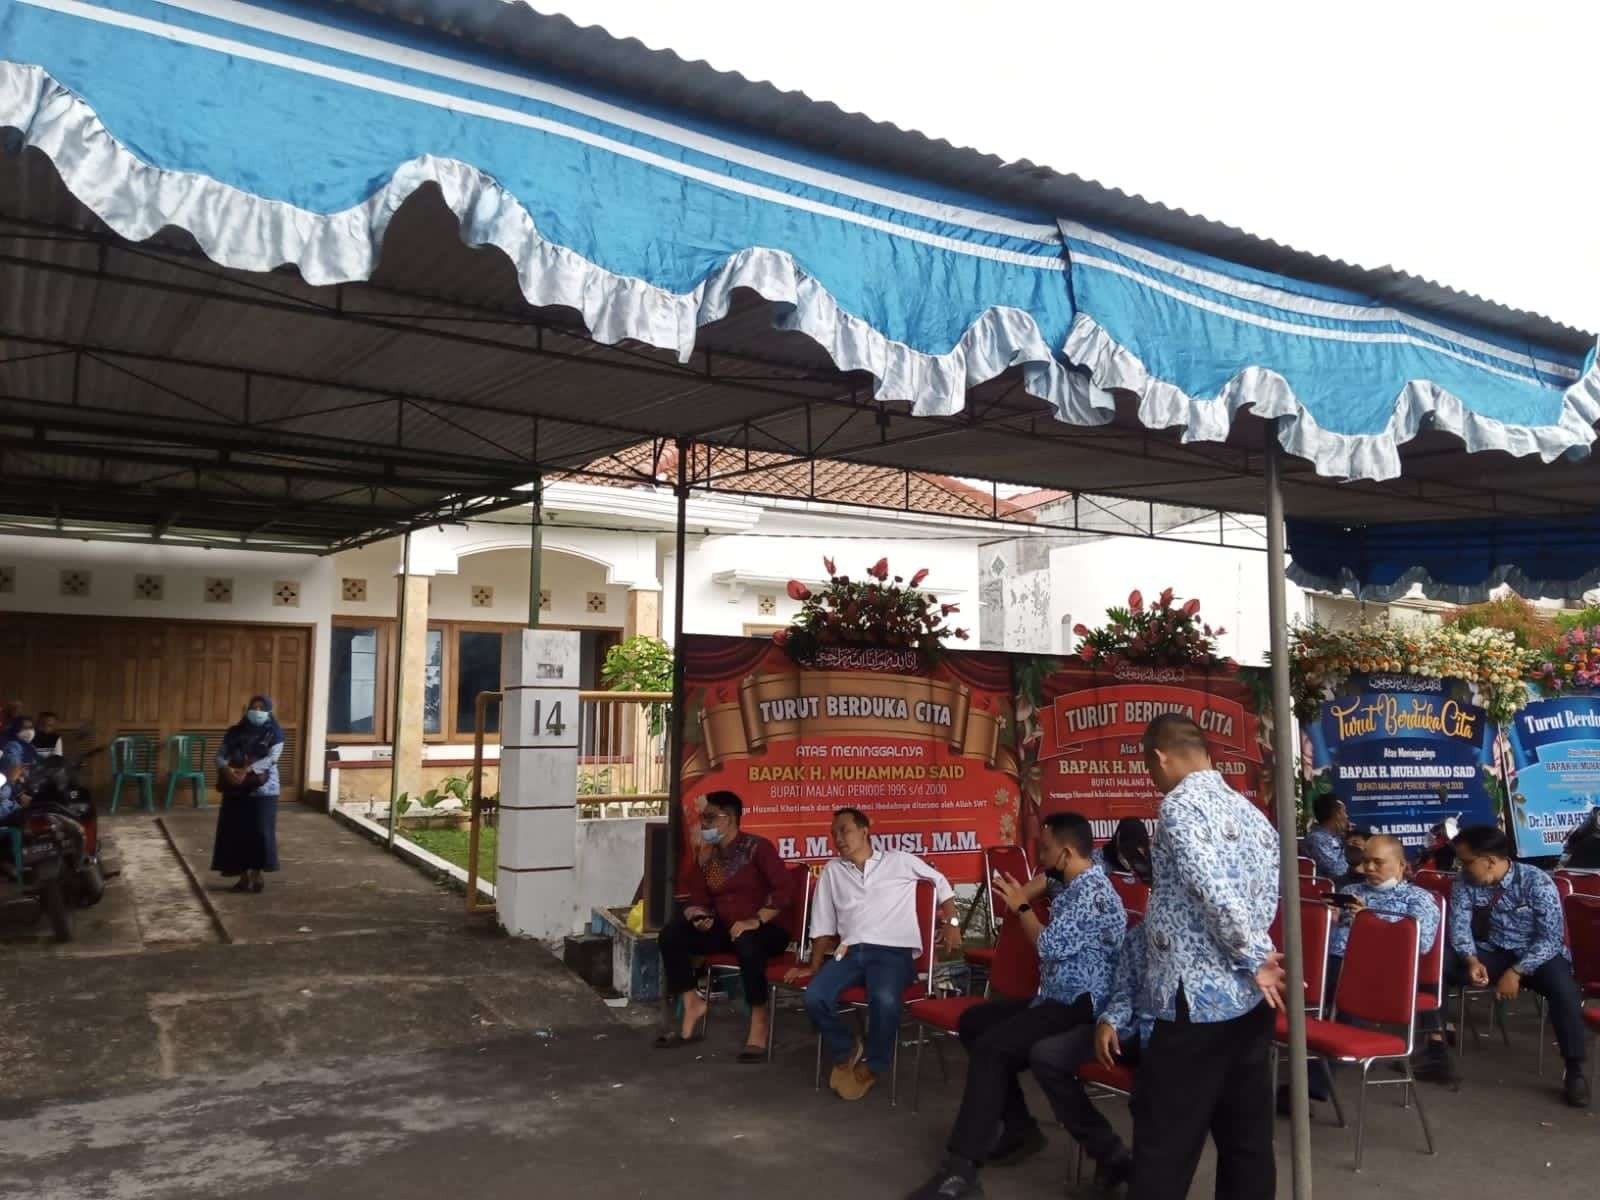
<point>247,776</point>
<point>20,739</point>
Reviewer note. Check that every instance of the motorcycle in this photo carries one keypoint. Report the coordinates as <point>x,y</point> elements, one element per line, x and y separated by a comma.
<point>48,853</point>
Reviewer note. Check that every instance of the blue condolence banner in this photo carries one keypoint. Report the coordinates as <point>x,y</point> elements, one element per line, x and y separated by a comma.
<point>1554,775</point>
<point>1405,752</point>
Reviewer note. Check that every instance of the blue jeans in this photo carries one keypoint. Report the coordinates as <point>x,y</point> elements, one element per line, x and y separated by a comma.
<point>886,971</point>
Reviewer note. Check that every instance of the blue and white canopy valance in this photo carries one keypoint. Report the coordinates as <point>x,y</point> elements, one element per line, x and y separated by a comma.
<point>289,133</point>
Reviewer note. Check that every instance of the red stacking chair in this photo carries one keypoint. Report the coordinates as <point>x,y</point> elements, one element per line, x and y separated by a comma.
<point>1583,883</point>
<point>919,992</point>
<point>1308,867</point>
<point>1377,986</point>
<point>722,965</point>
<point>1015,977</point>
<point>1583,927</point>
<point>1440,883</point>
<point>798,956</point>
<point>1098,1082</point>
<point>1316,936</point>
<point>1008,860</point>
<point>1135,893</point>
<point>1320,888</point>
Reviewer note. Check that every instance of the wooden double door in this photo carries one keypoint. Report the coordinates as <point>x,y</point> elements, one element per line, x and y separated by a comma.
<point>109,676</point>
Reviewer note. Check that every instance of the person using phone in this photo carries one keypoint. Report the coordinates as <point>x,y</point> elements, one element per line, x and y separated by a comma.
<point>1508,932</point>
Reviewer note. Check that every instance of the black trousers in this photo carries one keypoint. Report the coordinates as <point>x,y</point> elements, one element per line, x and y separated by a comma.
<point>1198,1079</point>
<point>1553,981</point>
<point>1055,1062</point>
<point>680,943</point>
<point>998,1037</point>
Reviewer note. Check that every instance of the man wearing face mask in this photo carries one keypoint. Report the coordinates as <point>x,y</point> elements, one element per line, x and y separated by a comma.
<point>1077,958</point>
<point>1383,889</point>
<point>1508,932</point>
<point>22,735</point>
<point>738,892</point>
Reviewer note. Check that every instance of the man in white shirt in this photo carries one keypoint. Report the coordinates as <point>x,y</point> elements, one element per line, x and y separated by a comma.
<point>865,932</point>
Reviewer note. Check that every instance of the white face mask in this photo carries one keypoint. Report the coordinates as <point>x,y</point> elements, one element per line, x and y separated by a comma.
<point>24,735</point>
<point>711,837</point>
<point>1384,885</point>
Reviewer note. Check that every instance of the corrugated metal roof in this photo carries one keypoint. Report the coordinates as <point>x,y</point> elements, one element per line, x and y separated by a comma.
<point>590,55</point>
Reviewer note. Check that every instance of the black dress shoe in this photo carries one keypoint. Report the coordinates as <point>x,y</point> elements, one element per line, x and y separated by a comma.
<point>1576,1089</point>
<point>948,1185</point>
<point>1015,1147</point>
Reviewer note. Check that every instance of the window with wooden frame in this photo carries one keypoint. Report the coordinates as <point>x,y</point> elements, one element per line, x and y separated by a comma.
<point>358,679</point>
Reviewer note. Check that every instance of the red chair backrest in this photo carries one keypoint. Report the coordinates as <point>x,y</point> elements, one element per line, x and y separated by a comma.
<point>1430,968</point>
<point>1135,892</point>
<point>1378,981</point>
<point>1015,973</point>
<point>1564,886</point>
<point>1440,883</point>
<point>1316,934</point>
<point>1308,867</point>
<point>928,924</point>
<point>797,916</point>
<point>1583,933</point>
<point>1275,932</point>
<point>1582,883</point>
<point>1319,888</point>
<point>1008,860</point>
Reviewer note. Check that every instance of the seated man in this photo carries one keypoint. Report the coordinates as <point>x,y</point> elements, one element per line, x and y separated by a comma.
<point>1123,1027</point>
<point>1324,841</point>
<point>1507,930</point>
<point>1355,854</point>
<point>47,740</point>
<point>865,933</point>
<point>1384,889</point>
<point>1077,955</point>
<point>11,770</point>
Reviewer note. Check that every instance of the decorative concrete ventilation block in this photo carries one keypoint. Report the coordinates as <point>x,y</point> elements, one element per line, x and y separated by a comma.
<point>149,587</point>
<point>482,596</point>
<point>355,590</point>
<point>596,602</point>
<point>8,579</point>
<point>75,582</point>
<point>219,591</point>
<point>286,593</point>
<point>767,604</point>
<point>544,599</point>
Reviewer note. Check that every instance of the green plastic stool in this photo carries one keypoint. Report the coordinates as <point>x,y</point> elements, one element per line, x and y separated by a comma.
<point>186,756</point>
<point>130,763</point>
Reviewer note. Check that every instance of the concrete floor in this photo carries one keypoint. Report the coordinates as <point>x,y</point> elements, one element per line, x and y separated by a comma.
<point>359,1036</point>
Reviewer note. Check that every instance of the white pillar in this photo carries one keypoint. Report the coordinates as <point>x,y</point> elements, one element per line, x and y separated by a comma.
<point>537,889</point>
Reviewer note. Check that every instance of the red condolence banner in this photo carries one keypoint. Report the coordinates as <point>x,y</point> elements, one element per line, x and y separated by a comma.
<point>926,753</point>
<point>1082,732</point>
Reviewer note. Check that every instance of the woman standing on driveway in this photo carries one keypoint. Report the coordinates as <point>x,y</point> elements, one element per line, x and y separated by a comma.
<point>247,776</point>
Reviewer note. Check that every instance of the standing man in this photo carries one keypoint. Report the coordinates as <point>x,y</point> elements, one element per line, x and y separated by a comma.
<point>865,933</point>
<point>1324,841</point>
<point>1212,979</point>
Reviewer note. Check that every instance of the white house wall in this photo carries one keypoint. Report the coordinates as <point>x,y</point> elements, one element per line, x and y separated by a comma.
<point>37,564</point>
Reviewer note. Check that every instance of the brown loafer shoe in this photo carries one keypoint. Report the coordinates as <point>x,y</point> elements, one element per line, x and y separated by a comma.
<point>841,1071</point>
<point>857,1084</point>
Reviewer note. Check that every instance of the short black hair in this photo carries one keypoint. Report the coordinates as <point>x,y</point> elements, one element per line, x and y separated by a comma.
<point>1485,839</point>
<point>855,814</point>
<point>1175,732</point>
<point>728,802</point>
<point>1324,806</point>
<point>48,713</point>
<point>1357,831</point>
<point>1072,829</point>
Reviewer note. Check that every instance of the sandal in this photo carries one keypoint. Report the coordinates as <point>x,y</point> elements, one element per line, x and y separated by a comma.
<point>753,1054</point>
<point>671,1041</point>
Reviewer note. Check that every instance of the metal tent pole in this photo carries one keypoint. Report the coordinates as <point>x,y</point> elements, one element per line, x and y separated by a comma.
<point>675,756</point>
<point>1283,789</point>
<point>399,692</point>
<point>536,554</point>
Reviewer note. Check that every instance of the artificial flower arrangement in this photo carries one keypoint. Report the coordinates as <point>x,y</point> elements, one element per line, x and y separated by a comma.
<point>1164,634</point>
<point>1571,661</point>
<point>1322,659</point>
<point>879,610</point>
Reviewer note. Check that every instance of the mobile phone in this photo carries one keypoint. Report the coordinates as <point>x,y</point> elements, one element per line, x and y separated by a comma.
<point>1340,900</point>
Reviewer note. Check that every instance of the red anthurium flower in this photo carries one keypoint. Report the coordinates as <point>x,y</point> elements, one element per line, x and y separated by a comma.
<point>916,580</point>
<point>880,569</point>
<point>1191,608</point>
<point>1086,652</point>
<point>1135,602</point>
<point>1080,631</point>
<point>827,564</point>
<point>780,637</point>
<point>798,590</point>
<point>1166,598</point>
<point>947,609</point>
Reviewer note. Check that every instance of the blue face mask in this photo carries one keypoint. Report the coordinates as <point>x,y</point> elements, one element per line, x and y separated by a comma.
<point>256,716</point>
<point>711,837</point>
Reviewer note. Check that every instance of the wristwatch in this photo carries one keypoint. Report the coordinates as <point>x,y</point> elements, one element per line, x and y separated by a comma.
<point>1022,908</point>
<point>954,922</point>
